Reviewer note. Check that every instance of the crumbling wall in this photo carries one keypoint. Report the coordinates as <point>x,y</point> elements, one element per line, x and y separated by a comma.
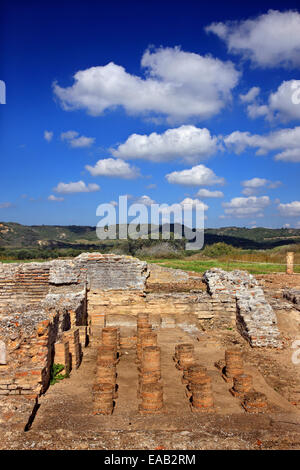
<point>255,318</point>
<point>23,282</point>
<point>26,335</point>
<point>293,295</point>
<point>31,282</point>
<point>113,272</point>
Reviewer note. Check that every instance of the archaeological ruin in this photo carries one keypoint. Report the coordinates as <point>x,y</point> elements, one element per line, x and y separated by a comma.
<point>140,349</point>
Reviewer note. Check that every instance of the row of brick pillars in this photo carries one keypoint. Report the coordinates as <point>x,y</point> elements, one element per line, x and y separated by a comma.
<point>105,389</point>
<point>194,376</point>
<point>150,389</point>
<point>241,383</point>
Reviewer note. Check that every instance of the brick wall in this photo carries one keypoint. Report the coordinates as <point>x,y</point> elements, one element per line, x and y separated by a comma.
<point>23,282</point>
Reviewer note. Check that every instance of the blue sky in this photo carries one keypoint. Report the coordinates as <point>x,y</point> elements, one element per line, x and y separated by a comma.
<point>170,98</point>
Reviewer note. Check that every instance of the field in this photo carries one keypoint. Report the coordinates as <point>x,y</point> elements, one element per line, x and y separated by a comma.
<point>199,266</point>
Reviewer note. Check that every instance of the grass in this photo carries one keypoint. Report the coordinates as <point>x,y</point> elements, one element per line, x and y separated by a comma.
<point>199,266</point>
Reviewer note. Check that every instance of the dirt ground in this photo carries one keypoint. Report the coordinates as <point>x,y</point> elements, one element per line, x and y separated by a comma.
<point>65,417</point>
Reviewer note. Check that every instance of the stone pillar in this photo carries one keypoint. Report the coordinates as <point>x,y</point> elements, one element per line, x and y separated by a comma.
<point>290,262</point>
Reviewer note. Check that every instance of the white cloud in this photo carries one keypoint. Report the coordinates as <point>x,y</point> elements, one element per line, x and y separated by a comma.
<point>286,225</point>
<point>177,85</point>
<point>283,105</point>
<point>254,185</point>
<point>287,140</point>
<point>116,168</point>
<point>193,203</point>
<point>5,205</point>
<point>271,39</point>
<point>198,175</point>
<point>291,209</point>
<point>146,200</point>
<point>187,204</point>
<point>190,143</point>
<point>48,135</point>
<point>76,141</point>
<point>251,95</point>
<point>151,186</point>
<point>55,198</point>
<point>207,193</point>
<point>76,187</point>
<point>291,155</point>
<point>246,206</point>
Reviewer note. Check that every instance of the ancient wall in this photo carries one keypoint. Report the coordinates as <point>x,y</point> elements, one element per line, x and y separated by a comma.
<point>113,272</point>
<point>31,282</point>
<point>28,334</point>
<point>293,295</point>
<point>255,318</point>
<point>25,337</point>
<point>23,282</point>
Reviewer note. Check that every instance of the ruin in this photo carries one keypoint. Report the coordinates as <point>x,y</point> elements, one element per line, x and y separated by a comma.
<point>116,321</point>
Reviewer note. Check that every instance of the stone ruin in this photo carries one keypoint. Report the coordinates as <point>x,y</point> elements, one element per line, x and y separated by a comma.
<point>255,318</point>
<point>293,295</point>
<point>49,312</point>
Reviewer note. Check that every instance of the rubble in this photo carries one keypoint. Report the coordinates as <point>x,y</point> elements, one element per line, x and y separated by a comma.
<point>255,318</point>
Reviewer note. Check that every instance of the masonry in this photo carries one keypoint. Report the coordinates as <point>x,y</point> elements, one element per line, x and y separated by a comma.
<point>49,312</point>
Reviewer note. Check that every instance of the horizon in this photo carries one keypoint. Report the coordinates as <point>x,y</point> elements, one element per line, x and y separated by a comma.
<point>193,228</point>
<point>160,101</point>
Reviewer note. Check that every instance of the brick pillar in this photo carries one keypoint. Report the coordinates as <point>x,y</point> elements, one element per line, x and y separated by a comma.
<point>74,345</point>
<point>62,355</point>
<point>290,262</point>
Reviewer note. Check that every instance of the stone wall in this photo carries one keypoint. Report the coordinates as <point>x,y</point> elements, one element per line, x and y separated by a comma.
<point>23,282</point>
<point>113,272</point>
<point>255,318</point>
<point>293,295</point>
<point>31,282</point>
<point>28,334</point>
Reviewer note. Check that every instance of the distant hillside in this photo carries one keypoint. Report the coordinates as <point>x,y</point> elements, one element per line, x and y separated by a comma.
<point>14,235</point>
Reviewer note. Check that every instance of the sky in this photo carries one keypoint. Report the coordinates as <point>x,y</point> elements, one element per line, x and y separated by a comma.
<point>163,101</point>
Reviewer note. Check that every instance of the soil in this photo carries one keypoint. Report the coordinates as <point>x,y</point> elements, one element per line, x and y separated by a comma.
<point>65,417</point>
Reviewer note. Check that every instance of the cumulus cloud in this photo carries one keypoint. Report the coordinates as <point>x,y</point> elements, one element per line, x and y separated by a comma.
<point>285,140</point>
<point>283,105</point>
<point>177,85</point>
<point>207,193</point>
<point>76,187</point>
<point>55,198</point>
<point>146,200</point>
<point>198,175</point>
<point>48,135</point>
<point>191,203</point>
<point>76,141</point>
<point>254,185</point>
<point>187,142</point>
<point>271,39</point>
<point>251,95</point>
<point>291,209</point>
<point>116,168</point>
<point>187,204</point>
<point>246,206</point>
